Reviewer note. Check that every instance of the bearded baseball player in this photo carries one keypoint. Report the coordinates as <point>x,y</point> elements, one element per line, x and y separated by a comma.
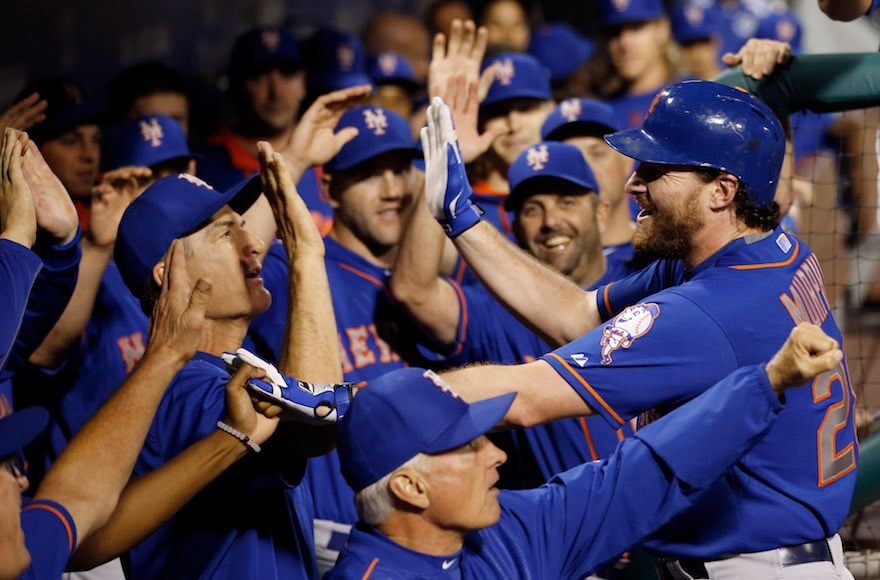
<point>731,286</point>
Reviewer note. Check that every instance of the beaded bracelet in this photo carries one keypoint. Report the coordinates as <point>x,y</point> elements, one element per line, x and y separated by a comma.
<point>255,447</point>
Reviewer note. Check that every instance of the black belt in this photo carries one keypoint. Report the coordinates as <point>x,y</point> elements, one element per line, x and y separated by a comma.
<point>818,551</point>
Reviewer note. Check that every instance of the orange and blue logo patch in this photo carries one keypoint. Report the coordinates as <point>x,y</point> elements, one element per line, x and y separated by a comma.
<point>626,327</point>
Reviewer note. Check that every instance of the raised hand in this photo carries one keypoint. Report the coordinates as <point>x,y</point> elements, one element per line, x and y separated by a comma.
<point>447,189</point>
<point>313,141</point>
<point>462,55</point>
<point>296,227</point>
<point>807,352</point>
<point>462,97</point>
<point>109,200</point>
<point>759,56</point>
<point>179,314</point>
<point>56,214</point>
<point>18,220</point>
<point>24,114</point>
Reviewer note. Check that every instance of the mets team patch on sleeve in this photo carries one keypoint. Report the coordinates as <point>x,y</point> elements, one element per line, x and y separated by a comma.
<point>626,327</point>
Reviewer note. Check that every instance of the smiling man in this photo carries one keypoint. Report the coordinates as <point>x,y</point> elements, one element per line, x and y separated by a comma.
<point>731,286</point>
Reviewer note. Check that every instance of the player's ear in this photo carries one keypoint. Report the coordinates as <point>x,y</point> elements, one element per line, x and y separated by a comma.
<point>603,211</point>
<point>726,186</point>
<point>409,486</point>
<point>159,272</point>
<point>327,189</point>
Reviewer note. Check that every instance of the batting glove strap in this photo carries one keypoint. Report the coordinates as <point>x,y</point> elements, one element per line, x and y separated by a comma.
<point>300,401</point>
<point>460,212</point>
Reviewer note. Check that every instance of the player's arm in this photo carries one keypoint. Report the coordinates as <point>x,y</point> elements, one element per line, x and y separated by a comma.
<point>108,202</point>
<point>429,299</point>
<point>90,474</point>
<point>310,350</point>
<point>541,298</point>
<point>542,395</point>
<point>150,500</point>
<point>846,10</point>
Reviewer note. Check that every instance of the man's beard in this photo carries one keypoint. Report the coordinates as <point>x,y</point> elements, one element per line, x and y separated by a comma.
<point>669,232</point>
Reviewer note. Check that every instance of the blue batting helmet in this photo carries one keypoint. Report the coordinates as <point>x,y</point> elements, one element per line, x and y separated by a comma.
<point>706,124</point>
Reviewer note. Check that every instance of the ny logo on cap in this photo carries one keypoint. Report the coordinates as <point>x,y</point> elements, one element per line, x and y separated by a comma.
<point>620,5</point>
<point>504,71</point>
<point>375,121</point>
<point>271,39</point>
<point>345,57</point>
<point>152,132</point>
<point>444,386</point>
<point>570,109</point>
<point>193,179</point>
<point>387,62</point>
<point>694,15</point>
<point>537,157</point>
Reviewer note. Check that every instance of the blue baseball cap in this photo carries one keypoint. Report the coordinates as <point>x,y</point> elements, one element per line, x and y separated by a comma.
<point>390,68</point>
<point>617,12</point>
<point>143,141</point>
<point>517,76</point>
<point>403,413</point>
<point>379,131</point>
<point>573,117</point>
<point>695,20</point>
<point>20,428</point>
<point>782,26</point>
<point>334,61</point>
<point>550,160</point>
<point>263,48</point>
<point>560,49</point>
<point>67,107</point>
<point>173,206</point>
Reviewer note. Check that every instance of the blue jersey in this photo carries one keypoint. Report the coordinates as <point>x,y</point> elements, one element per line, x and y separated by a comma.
<point>253,521</point>
<point>50,537</point>
<point>561,529</point>
<point>46,295</point>
<point>113,341</point>
<point>734,309</point>
<point>489,333</point>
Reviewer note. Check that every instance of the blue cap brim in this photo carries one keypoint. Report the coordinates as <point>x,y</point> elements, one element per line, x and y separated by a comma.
<point>20,428</point>
<point>480,418</point>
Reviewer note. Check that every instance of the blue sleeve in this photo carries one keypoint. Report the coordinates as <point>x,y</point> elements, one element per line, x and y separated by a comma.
<point>636,362</point>
<point>51,293</point>
<point>874,6</point>
<point>19,268</point>
<point>672,460</point>
<point>50,537</point>
<point>657,276</point>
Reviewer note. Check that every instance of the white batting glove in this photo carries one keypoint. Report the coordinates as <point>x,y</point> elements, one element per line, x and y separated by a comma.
<point>447,189</point>
<point>310,403</point>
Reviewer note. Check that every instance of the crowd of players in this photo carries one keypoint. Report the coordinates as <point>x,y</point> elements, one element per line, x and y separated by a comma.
<point>119,330</point>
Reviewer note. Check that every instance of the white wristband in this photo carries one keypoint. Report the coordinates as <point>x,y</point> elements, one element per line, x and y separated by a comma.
<point>255,447</point>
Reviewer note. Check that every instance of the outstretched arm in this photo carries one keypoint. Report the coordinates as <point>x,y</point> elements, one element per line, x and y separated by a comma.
<point>104,451</point>
<point>150,500</point>
<point>544,300</point>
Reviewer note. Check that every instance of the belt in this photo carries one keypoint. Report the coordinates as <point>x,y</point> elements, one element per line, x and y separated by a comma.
<point>818,551</point>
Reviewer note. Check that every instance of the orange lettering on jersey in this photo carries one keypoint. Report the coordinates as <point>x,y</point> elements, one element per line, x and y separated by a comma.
<point>806,300</point>
<point>347,367</point>
<point>132,349</point>
<point>360,350</point>
<point>5,406</point>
